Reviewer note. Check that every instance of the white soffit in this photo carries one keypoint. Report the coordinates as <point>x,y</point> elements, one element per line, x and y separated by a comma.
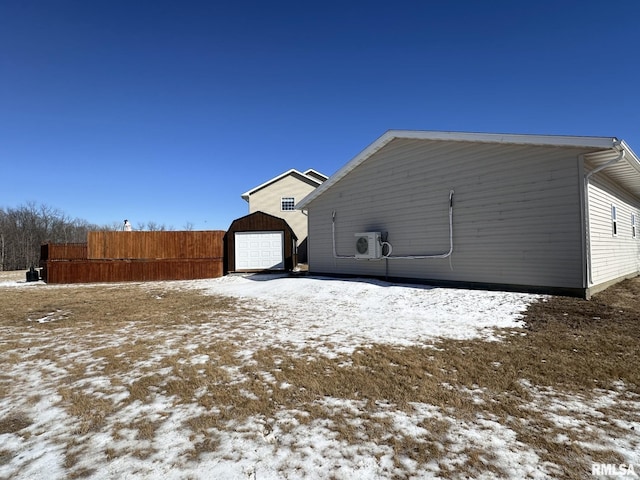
<point>625,172</point>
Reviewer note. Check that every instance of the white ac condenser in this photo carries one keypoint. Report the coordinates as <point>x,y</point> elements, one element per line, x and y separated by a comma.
<point>368,245</point>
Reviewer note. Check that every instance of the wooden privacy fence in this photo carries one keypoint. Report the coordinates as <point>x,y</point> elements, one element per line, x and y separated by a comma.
<point>63,251</point>
<point>91,271</point>
<point>135,256</point>
<point>154,245</point>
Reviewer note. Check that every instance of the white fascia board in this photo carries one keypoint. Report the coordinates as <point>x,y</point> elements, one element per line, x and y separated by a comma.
<point>631,158</point>
<point>246,194</point>
<point>508,138</point>
<point>539,140</point>
<point>353,163</point>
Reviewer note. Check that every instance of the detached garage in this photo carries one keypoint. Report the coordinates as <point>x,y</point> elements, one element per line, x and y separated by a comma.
<point>259,242</point>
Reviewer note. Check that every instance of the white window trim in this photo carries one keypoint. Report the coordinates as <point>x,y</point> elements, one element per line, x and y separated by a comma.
<point>614,221</point>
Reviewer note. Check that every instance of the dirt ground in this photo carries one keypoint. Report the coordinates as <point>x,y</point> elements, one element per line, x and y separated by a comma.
<point>619,303</point>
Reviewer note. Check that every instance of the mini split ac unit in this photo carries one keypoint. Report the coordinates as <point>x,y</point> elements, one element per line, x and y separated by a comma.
<point>368,245</point>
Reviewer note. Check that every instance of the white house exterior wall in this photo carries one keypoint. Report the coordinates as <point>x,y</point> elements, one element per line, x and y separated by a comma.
<point>268,199</point>
<point>516,214</point>
<point>612,257</point>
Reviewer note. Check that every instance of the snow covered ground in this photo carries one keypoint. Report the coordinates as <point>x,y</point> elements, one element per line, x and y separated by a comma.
<point>330,316</point>
<point>313,311</point>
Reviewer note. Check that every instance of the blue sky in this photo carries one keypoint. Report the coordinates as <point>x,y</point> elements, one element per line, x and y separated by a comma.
<point>168,111</point>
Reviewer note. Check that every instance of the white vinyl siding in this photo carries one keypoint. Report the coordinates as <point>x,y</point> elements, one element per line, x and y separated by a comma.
<point>612,256</point>
<point>269,200</point>
<point>516,217</point>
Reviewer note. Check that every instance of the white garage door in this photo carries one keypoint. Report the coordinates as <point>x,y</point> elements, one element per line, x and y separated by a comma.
<point>259,250</point>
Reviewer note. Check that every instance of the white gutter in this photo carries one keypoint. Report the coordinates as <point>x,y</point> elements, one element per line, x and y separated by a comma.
<point>620,156</point>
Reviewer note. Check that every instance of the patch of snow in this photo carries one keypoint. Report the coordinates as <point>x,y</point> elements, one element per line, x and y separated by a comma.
<point>317,311</point>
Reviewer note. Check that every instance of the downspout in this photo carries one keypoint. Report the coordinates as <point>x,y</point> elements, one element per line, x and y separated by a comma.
<point>587,177</point>
<point>608,164</point>
<point>306,214</point>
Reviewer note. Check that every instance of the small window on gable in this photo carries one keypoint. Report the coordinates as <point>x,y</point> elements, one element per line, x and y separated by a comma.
<point>614,221</point>
<point>288,204</point>
<point>633,225</point>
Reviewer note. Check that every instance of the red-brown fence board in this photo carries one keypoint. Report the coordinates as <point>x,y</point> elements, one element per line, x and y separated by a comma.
<point>63,251</point>
<point>135,256</point>
<point>155,245</point>
<point>90,271</point>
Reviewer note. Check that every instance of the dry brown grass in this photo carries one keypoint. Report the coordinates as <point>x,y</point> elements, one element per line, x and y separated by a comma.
<point>570,349</point>
<point>14,423</point>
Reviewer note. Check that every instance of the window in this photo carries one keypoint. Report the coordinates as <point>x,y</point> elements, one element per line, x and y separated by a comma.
<point>614,221</point>
<point>288,204</point>
<point>633,225</point>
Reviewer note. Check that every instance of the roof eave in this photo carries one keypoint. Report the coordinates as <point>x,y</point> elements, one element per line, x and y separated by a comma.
<point>631,157</point>
<point>353,163</point>
<point>292,171</point>
<point>507,138</point>
<point>314,173</point>
<point>518,139</point>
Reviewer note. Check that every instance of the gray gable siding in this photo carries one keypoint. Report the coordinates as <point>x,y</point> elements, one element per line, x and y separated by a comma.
<point>516,219</point>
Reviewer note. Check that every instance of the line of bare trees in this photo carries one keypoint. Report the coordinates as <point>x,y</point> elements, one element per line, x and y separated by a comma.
<point>25,228</point>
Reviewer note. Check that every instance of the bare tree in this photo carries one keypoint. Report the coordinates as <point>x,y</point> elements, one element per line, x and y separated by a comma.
<point>25,228</point>
<point>154,227</point>
<point>2,250</point>
<point>113,226</point>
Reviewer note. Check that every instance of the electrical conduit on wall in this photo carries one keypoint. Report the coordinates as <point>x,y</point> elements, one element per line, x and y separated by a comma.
<point>390,248</point>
